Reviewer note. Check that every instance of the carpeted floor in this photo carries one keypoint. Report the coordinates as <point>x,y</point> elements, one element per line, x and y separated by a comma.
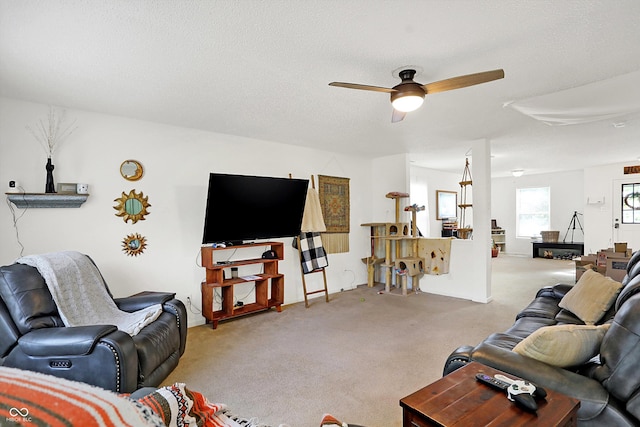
<point>356,356</point>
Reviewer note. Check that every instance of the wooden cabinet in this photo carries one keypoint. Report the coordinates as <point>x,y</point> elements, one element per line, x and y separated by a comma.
<point>269,285</point>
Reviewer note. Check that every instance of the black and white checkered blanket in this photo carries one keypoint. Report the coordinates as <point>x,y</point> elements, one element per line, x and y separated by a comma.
<point>312,253</point>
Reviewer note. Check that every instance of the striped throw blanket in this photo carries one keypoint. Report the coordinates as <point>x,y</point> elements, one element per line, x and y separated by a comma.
<point>30,398</point>
<point>33,399</point>
<point>178,406</point>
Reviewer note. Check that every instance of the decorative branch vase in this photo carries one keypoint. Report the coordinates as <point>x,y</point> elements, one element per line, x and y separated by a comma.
<point>49,186</point>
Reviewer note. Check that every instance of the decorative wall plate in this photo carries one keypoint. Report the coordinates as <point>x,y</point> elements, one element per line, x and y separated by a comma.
<point>134,244</point>
<point>132,206</point>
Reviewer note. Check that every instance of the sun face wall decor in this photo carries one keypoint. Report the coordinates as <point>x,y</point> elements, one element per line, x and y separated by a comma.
<point>132,206</point>
<point>134,244</point>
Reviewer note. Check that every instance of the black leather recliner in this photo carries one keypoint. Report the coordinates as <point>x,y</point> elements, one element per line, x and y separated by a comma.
<point>608,389</point>
<point>33,336</point>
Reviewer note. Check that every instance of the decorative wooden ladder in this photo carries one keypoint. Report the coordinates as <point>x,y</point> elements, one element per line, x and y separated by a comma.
<point>318,270</point>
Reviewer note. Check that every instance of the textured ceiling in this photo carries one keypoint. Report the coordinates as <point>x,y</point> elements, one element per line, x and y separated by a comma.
<point>261,69</point>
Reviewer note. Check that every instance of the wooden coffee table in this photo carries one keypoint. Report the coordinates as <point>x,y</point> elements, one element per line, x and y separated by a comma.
<point>460,400</point>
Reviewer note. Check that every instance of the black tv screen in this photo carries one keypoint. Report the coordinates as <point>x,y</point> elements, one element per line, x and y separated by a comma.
<point>244,208</point>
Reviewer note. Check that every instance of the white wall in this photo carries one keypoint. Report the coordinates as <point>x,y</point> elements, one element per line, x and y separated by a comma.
<point>389,174</point>
<point>177,162</point>
<point>567,196</point>
<point>469,274</point>
<point>424,184</point>
<point>481,199</point>
<point>604,183</point>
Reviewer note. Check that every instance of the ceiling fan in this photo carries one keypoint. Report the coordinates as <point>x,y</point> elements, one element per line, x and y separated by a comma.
<point>408,95</point>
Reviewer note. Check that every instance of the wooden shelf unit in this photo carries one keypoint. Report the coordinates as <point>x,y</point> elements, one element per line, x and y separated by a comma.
<point>269,286</point>
<point>499,238</point>
<point>449,227</point>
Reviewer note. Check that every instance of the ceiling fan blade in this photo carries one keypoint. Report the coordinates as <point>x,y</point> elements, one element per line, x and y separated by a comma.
<point>362,87</point>
<point>463,81</point>
<point>397,116</point>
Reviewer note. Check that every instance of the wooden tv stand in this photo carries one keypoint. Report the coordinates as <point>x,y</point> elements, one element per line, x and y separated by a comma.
<point>269,291</point>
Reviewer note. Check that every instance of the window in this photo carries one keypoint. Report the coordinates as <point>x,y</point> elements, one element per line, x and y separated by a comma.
<point>532,211</point>
<point>631,203</point>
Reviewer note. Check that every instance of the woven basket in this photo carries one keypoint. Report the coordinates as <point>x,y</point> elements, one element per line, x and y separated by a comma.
<point>465,233</point>
<point>550,236</point>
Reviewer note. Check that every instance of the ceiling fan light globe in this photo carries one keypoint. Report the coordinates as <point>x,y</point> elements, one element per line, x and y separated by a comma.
<point>407,103</point>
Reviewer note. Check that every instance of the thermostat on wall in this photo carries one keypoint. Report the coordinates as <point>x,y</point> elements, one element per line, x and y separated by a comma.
<point>595,200</point>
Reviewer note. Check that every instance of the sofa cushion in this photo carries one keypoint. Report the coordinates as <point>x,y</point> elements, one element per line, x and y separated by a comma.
<point>563,345</point>
<point>631,287</point>
<point>525,326</point>
<point>633,268</point>
<point>501,340</point>
<point>591,297</point>
<point>619,372</point>
<point>27,298</point>
<point>565,317</point>
<point>542,306</point>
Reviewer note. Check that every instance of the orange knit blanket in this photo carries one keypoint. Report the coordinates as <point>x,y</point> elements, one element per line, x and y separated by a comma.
<point>29,398</point>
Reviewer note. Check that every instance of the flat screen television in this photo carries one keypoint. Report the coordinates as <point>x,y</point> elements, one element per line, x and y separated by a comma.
<point>243,208</point>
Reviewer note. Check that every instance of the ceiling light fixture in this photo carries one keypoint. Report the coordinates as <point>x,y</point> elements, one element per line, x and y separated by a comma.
<point>408,95</point>
<point>517,172</point>
<point>408,102</point>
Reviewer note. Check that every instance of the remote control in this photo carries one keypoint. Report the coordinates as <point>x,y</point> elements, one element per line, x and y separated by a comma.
<point>493,382</point>
<point>517,391</point>
<point>538,392</point>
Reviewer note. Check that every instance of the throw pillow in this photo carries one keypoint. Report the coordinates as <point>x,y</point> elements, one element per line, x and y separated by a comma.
<point>591,297</point>
<point>563,345</point>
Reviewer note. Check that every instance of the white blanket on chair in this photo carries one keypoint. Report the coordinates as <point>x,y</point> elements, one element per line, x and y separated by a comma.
<point>80,294</point>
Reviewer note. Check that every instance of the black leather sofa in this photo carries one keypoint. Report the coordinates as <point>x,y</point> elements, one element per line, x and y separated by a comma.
<point>608,388</point>
<point>33,337</point>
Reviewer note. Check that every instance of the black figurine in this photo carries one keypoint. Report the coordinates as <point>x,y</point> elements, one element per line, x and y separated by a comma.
<point>49,186</point>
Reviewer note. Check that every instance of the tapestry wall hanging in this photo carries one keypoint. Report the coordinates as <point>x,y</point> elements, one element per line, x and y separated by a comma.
<point>334,199</point>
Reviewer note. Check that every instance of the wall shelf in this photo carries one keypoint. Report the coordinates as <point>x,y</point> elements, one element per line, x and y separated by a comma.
<point>46,200</point>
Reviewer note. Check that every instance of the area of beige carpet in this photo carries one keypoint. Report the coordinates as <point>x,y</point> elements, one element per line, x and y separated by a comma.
<point>356,356</point>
